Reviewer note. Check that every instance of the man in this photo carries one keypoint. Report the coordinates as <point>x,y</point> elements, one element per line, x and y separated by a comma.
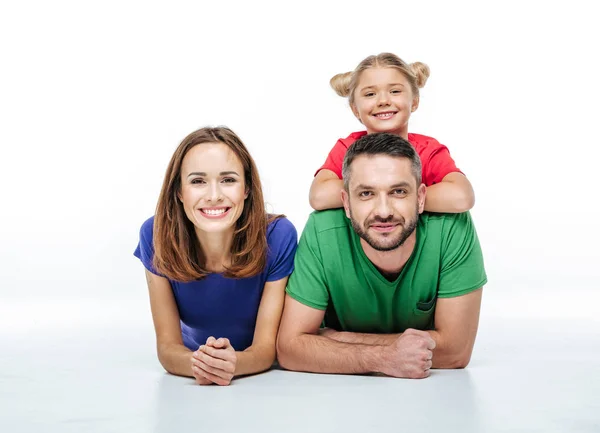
<point>399,292</point>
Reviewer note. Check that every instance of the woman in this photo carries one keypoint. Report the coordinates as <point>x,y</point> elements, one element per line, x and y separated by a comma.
<point>216,263</point>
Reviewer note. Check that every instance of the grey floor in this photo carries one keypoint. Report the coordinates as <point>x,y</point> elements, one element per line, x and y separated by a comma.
<point>90,366</point>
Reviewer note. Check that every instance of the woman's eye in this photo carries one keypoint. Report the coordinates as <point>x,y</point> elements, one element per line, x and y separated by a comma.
<point>228,180</point>
<point>197,181</point>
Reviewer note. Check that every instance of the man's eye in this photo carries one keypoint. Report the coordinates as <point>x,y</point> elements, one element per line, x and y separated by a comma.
<point>364,194</point>
<point>400,192</point>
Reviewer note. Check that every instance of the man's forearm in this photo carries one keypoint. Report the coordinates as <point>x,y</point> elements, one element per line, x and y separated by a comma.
<point>360,338</point>
<point>445,354</point>
<point>319,354</point>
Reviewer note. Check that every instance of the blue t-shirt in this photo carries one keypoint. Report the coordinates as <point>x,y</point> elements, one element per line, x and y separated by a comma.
<point>225,307</point>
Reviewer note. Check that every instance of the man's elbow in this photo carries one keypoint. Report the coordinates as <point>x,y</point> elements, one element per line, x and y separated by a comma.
<point>460,362</point>
<point>284,357</point>
<point>457,360</point>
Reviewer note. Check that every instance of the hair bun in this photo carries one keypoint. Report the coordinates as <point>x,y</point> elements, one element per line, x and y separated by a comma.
<point>421,72</point>
<point>341,83</point>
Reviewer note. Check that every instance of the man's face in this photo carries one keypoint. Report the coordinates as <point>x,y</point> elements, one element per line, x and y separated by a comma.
<point>383,200</point>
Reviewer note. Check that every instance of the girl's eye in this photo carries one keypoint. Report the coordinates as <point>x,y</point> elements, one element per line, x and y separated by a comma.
<point>369,94</point>
<point>396,91</point>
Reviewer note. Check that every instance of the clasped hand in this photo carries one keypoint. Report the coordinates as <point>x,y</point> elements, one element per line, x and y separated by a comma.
<point>214,362</point>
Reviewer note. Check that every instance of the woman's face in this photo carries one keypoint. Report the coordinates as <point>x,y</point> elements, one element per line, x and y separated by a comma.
<point>213,188</point>
<point>383,101</point>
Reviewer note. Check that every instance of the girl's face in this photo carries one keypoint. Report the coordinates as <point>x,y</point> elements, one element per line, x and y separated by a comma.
<point>383,101</point>
<point>213,188</point>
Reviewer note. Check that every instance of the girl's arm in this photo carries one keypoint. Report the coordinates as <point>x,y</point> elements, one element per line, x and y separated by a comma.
<point>218,362</point>
<point>454,194</point>
<point>172,354</point>
<point>326,191</point>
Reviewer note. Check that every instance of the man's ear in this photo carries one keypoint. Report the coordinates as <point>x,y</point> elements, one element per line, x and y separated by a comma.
<point>346,202</point>
<point>421,195</point>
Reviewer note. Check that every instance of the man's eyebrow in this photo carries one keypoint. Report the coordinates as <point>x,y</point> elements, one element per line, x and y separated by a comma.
<point>402,184</point>
<point>223,173</point>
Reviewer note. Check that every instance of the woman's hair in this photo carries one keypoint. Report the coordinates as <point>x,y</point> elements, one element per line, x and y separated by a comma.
<point>416,73</point>
<point>178,254</point>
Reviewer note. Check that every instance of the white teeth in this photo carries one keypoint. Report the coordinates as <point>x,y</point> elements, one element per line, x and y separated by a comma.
<point>213,211</point>
<point>384,115</point>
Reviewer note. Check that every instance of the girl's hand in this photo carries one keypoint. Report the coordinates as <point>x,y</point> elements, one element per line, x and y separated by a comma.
<point>215,361</point>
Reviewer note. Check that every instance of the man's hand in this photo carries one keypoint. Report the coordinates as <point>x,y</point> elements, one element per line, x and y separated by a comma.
<point>215,361</point>
<point>409,355</point>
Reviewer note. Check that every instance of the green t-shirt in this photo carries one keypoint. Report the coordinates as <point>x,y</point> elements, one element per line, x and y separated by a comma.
<point>333,273</point>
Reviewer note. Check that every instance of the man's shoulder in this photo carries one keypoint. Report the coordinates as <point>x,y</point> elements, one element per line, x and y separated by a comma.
<point>445,224</point>
<point>326,220</point>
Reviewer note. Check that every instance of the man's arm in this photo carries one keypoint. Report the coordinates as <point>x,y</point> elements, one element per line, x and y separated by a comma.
<point>456,323</point>
<point>300,348</point>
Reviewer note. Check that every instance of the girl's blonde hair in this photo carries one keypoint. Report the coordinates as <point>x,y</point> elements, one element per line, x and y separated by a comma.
<point>416,73</point>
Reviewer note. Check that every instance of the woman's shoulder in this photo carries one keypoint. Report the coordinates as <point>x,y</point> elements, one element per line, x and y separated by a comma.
<point>147,229</point>
<point>279,225</point>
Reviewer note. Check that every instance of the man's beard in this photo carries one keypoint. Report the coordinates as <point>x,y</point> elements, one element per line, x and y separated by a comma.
<point>387,243</point>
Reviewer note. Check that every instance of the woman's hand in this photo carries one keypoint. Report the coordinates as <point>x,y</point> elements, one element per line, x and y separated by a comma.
<point>214,362</point>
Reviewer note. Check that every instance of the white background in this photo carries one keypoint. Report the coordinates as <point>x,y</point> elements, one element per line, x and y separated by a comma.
<point>95,97</point>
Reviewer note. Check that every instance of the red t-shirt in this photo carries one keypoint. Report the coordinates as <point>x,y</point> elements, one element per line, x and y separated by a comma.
<point>436,161</point>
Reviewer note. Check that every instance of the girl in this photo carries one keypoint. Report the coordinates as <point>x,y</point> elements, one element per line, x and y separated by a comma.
<point>383,92</point>
<point>216,263</point>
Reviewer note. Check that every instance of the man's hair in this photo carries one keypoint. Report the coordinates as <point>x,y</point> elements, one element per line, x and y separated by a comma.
<point>381,143</point>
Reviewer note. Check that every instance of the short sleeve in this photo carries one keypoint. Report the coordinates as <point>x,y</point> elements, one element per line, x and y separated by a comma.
<point>335,159</point>
<point>307,284</point>
<point>145,248</point>
<point>282,239</point>
<point>437,164</point>
<point>462,268</point>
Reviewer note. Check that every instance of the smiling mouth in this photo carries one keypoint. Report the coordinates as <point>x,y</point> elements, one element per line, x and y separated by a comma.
<point>383,228</point>
<point>384,115</point>
<point>214,212</point>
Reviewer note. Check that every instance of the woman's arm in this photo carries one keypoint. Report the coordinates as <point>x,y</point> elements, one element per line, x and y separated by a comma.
<point>172,354</point>
<point>454,194</point>
<point>326,191</point>
<point>219,363</point>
